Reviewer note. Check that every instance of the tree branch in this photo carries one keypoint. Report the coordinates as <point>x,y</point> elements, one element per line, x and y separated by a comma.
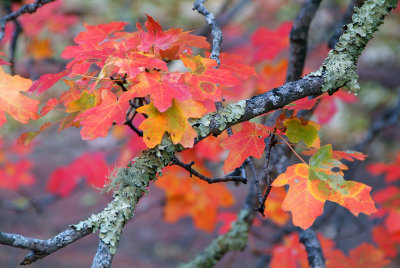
<point>189,168</point>
<point>134,179</point>
<point>345,20</point>
<point>215,30</point>
<point>298,39</point>
<point>41,248</point>
<point>29,8</point>
<point>103,257</point>
<point>313,247</point>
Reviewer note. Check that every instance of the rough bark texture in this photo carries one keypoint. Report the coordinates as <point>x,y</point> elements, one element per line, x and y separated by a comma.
<point>313,247</point>
<point>299,38</point>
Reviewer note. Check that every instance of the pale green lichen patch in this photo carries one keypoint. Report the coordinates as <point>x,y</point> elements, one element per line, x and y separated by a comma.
<point>235,239</point>
<point>219,119</point>
<point>339,68</point>
<point>133,182</point>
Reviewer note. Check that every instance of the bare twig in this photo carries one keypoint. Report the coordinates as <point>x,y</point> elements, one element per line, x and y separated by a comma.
<point>189,168</point>
<point>41,248</point>
<point>298,39</point>
<point>29,8</point>
<point>215,30</point>
<point>14,40</point>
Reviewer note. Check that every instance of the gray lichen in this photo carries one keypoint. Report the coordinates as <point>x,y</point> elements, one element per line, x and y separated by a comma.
<point>339,68</point>
<point>219,119</point>
<point>133,182</point>
<point>235,239</point>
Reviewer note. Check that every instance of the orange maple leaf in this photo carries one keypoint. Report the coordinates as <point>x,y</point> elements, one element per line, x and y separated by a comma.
<point>98,120</point>
<point>247,142</point>
<point>174,121</point>
<point>191,196</point>
<point>17,105</point>
<point>203,78</point>
<point>364,255</point>
<point>311,185</point>
<point>162,89</point>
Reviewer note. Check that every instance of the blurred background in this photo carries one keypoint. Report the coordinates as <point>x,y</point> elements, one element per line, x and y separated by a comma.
<point>30,205</point>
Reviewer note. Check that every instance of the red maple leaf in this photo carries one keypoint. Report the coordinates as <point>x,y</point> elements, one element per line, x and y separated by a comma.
<point>247,142</point>
<point>98,120</point>
<point>162,89</point>
<point>269,43</point>
<point>204,79</point>
<point>91,166</point>
<point>327,106</point>
<point>392,169</point>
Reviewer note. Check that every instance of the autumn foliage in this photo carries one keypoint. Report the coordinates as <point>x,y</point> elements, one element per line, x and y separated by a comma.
<point>140,87</point>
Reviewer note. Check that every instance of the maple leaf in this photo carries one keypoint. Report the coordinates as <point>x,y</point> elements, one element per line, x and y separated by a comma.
<point>12,101</point>
<point>39,49</point>
<point>50,104</point>
<point>392,169</point>
<point>14,175</point>
<point>247,142</point>
<point>299,129</point>
<point>327,107</point>
<point>51,17</point>
<point>193,197</point>
<point>311,185</point>
<point>169,44</point>
<point>136,63</point>
<point>174,121</point>
<point>364,255</point>
<point>272,75</point>
<point>227,218</point>
<point>303,205</point>
<point>347,155</point>
<point>234,64</point>
<point>94,45</point>
<point>289,254</point>
<point>162,89</point>
<point>98,120</point>
<point>273,206</point>
<point>302,104</point>
<point>386,241</point>
<point>269,43</point>
<point>389,199</point>
<point>91,166</point>
<point>47,81</point>
<point>209,148</point>
<point>203,78</point>
<point>27,138</point>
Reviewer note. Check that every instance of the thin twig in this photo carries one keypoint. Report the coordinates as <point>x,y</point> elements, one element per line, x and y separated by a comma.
<point>298,39</point>
<point>41,248</point>
<point>189,168</point>
<point>29,8</point>
<point>215,30</point>
<point>14,40</point>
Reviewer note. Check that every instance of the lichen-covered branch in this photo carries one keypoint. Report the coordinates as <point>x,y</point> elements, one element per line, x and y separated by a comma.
<point>29,8</point>
<point>299,38</point>
<point>103,257</point>
<point>133,180</point>
<point>339,68</point>
<point>42,248</point>
<point>345,20</point>
<point>235,239</point>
